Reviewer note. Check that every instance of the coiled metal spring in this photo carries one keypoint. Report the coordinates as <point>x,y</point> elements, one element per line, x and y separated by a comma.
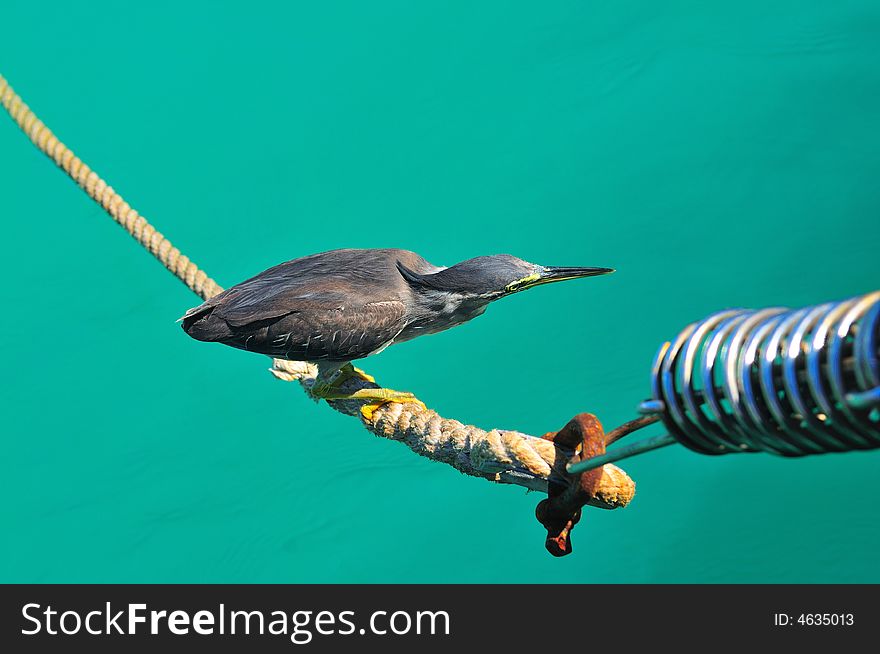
<point>781,381</point>
<point>789,382</point>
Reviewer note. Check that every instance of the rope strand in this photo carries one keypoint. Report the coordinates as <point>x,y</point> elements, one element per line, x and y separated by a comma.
<point>102,193</point>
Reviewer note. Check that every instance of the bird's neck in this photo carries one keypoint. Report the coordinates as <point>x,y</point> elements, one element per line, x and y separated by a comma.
<point>440,311</point>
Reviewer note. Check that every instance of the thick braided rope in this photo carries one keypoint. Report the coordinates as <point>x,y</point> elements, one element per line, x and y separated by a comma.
<point>102,193</point>
<point>497,455</point>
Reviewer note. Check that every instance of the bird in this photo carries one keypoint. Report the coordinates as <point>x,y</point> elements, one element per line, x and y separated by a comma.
<point>343,305</point>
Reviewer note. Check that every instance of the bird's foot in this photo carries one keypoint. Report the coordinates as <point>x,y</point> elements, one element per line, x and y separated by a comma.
<point>375,397</point>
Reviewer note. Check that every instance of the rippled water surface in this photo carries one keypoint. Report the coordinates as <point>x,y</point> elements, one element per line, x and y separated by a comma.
<point>716,154</point>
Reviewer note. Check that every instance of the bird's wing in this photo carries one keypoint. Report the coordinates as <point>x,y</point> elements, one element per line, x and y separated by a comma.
<point>340,333</point>
<point>301,326</point>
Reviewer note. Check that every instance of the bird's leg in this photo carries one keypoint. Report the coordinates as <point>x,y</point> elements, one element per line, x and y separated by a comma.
<point>348,371</point>
<point>326,382</point>
<point>330,379</point>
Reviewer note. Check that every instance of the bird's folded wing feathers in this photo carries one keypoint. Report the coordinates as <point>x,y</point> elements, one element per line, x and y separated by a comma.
<point>299,326</point>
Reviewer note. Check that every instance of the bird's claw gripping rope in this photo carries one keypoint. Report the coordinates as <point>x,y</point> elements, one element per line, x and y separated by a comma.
<point>352,384</point>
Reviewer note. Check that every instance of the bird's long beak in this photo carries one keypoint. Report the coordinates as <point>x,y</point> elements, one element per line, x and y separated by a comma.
<point>560,273</point>
<point>550,274</point>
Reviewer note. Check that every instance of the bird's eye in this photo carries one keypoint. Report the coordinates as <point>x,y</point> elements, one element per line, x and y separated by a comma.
<point>522,283</point>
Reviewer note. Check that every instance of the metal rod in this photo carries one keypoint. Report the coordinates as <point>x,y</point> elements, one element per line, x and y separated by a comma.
<point>865,399</point>
<point>653,443</point>
<point>629,427</point>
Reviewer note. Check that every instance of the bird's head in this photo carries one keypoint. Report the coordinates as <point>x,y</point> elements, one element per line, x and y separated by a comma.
<point>495,276</point>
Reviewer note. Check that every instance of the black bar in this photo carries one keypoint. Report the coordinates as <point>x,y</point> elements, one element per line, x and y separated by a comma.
<point>509,618</point>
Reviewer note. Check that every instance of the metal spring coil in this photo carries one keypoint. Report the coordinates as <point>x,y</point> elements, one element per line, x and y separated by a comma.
<point>789,382</point>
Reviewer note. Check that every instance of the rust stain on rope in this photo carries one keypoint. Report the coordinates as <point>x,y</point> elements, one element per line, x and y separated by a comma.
<point>584,438</point>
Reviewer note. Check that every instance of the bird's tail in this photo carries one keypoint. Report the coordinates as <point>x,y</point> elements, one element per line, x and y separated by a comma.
<point>201,323</point>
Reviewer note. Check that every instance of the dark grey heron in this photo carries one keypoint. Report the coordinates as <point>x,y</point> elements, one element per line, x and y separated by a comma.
<point>335,307</point>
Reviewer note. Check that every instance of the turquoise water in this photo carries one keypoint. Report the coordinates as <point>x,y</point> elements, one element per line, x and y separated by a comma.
<point>716,154</point>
